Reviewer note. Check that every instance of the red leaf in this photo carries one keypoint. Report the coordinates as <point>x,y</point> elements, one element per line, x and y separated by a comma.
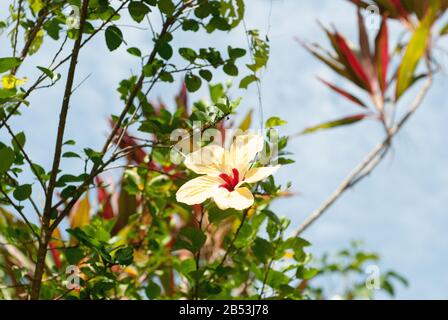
<point>182,99</point>
<point>104,199</point>
<point>55,254</point>
<point>344,93</point>
<point>333,64</point>
<point>401,10</point>
<point>382,54</point>
<point>364,44</point>
<point>353,61</point>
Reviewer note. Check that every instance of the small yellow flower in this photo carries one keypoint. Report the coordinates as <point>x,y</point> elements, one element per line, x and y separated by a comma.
<point>10,81</point>
<point>223,174</point>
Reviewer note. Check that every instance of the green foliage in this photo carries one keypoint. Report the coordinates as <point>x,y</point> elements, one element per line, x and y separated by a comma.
<point>114,37</point>
<point>6,158</point>
<point>414,53</point>
<point>357,268</point>
<point>9,63</point>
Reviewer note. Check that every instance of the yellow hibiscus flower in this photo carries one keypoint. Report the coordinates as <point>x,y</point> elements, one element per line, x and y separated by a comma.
<point>224,173</point>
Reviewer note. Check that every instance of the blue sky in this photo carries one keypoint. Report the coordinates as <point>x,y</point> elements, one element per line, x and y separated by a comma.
<point>400,210</point>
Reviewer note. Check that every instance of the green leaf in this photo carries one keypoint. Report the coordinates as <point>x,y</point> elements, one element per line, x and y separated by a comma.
<point>414,52</point>
<point>22,192</point>
<point>114,37</point>
<point>9,63</point>
<point>216,215</point>
<point>91,242</point>
<point>134,51</point>
<point>246,81</point>
<point>262,249</point>
<point>235,53</point>
<point>285,161</point>
<point>47,72</point>
<point>7,93</point>
<point>124,256</point>
<point>166,77</point>
<point>69,143</point>
<point>73,255</point>
<point>167,7</point>
<point>212,288</point>
<point>21,140</point>
<point>152,290</point>
<point>190,25</point>
<point>6,159</point>
<point>164,50</point>
<point>191,239</point>
<point>306,273</point>
<point>216,92</point>
<point>93,155</point>
<point>138,10</point>
<point>275,122</point>
<point>70,154</point>
<point>192,82</point>
<point>188,54</point>
<point>206,75</point>
<point>230,69</point>
<point>337,123</point>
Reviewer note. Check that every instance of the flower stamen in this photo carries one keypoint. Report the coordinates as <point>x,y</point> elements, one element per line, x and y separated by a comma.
<point>230,182</point>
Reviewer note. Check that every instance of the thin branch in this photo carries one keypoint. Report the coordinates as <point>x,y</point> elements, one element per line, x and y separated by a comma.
<point>235,237</point>
<point>63,61</point>
<point>20,212</point>
<point>269,266</point>
<point>370,162</point>
<point>198,259</point>
<point>45,234</point>
<point>32,35</point>
<point>98,168</point>
<point>25,155</point>
<point>16,30</point>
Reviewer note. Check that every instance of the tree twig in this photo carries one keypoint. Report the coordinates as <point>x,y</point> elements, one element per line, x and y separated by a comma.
<point>371,161</point>
<point>45,234</point>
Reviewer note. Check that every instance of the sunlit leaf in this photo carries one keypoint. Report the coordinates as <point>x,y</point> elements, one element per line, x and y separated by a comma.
<point>414,53</point>
<point>337,123</point>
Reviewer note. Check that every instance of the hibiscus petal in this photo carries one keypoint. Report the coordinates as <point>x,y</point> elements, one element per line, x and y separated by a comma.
<point>239,199</point>
<point>258,174</point>
<point>208,160</point>
<point>244,150</point>
<point>198,190</point>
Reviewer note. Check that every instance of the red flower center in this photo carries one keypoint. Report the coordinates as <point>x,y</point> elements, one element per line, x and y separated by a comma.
<point>230,182</point>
